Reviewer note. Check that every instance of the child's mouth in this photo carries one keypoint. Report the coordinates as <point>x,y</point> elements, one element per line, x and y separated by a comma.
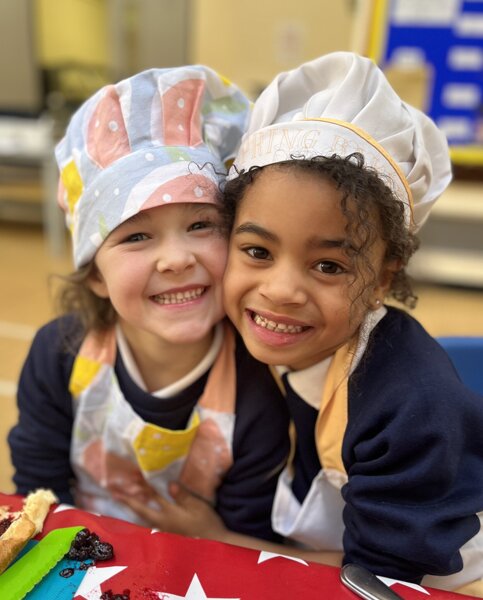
<point>179,297</point>
<point>276,326</point>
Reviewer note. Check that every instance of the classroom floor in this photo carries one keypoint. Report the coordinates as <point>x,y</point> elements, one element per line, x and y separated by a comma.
<point>25,304</point>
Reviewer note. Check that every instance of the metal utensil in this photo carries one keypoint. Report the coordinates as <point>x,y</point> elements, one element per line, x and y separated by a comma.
<point>365,584</point>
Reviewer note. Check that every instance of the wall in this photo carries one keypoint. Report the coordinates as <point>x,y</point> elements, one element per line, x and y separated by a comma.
<point>20,90</point>
<point>72,31</point>
<point>253,40</point>
<point>248,41</point>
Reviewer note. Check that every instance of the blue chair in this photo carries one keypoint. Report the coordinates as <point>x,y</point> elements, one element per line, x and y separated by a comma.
<point>466,354</point>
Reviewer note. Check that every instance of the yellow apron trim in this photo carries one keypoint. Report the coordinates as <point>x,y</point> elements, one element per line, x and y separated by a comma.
<point>332,419</point>
<point>278,379</point>
<point>156,447</point>
<point>83,374</point>
<point>98,348</point>
<point>475,588</point>
<point>220,390</point>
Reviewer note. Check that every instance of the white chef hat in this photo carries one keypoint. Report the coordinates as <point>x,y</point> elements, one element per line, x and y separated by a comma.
<point>342,103</point>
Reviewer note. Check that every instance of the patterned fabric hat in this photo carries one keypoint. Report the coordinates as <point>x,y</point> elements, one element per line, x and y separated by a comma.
<point>161,136</point>
<point>342,103</point>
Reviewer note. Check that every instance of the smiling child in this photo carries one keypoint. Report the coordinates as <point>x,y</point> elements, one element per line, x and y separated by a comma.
<point>142,383</point>
<point>333,180</point>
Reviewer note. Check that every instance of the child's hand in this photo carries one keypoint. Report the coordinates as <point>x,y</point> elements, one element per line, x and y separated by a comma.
<point>187,515</point>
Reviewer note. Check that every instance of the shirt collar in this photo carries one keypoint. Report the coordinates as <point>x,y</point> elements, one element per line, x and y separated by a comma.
<point>308,383</point>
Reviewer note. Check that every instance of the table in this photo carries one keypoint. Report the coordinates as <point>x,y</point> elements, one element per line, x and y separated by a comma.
<point>149,565</point>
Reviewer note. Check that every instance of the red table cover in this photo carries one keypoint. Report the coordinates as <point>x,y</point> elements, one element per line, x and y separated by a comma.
<point>149,565</point>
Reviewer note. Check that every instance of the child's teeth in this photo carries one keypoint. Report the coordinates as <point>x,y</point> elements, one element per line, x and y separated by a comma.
<point>277,327</point>
<point>179,297</point>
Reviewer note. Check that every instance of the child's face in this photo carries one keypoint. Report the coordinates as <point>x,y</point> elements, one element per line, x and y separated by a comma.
<point>162,271</point>
<point>290,287</point>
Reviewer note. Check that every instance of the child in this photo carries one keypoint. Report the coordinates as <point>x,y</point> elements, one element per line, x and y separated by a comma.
<point>335,176</point>
<point>142,385</point>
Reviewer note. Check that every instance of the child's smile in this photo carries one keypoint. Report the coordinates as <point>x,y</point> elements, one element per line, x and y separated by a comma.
<point>275,330</point>
<point>162,271</point>
<point>179,297</point>
<point>290,286</point>
<point>279,326</point>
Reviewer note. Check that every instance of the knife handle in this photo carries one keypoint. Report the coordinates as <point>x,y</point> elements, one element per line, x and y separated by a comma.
<point>365,584</point>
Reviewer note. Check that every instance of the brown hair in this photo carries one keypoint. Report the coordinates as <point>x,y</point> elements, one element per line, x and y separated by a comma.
<point>75,296</point>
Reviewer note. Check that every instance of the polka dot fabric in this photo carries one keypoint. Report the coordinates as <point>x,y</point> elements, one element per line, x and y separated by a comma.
<point>161,136</point>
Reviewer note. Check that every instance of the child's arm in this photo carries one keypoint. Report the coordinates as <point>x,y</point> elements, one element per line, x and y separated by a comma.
<point>261,446</point>
<point>415,486</point>
<point>193,517</point>
<point>40,441</point>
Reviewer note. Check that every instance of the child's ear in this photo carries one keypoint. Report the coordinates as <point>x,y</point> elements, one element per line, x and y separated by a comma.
<point>388,270</point>
<point>96,283</point>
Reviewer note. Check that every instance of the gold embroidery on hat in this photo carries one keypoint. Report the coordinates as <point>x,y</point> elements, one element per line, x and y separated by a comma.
<point>370,140</point>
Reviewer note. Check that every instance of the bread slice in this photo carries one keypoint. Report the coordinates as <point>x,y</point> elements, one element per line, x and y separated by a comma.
<point>14,539</point>
<point>36,507</point>
<point>25,524</point>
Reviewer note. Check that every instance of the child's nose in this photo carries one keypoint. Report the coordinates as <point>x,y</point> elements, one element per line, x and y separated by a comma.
<point>175,257</point>
<point>283,286</point>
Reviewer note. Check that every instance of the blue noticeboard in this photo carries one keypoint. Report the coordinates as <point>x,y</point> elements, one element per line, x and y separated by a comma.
<point>445,39</point>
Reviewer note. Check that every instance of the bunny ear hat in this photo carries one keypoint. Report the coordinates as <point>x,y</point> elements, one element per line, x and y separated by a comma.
<point>342,103</point>
<point>159,137</point>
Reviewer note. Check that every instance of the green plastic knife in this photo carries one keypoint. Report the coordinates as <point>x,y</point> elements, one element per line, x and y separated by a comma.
<point>23,575</point>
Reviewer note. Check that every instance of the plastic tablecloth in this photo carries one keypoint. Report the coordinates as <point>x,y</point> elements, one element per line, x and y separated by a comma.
<point>150,565</point>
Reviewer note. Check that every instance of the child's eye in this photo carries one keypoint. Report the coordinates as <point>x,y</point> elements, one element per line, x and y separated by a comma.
<point>201,225</point>
<point>329,267</point>
<point>135,237</point>
<point>257,252</point>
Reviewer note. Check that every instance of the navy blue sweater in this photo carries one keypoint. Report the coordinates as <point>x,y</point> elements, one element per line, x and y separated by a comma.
<point>413,452</point>
<point>40,442</point>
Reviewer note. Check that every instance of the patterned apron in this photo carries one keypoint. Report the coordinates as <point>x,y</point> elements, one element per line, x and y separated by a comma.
<point>114,449</point>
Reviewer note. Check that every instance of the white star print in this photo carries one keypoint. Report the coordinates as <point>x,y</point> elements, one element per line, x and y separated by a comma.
<point>195,592</point>
<point>414,586</point>
<point>63,507</point>
<point>90,587</point>
<point>264,556</point>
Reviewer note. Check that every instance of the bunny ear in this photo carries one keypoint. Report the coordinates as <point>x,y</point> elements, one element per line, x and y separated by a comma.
<point>182,113</point>
<point>107,138</point>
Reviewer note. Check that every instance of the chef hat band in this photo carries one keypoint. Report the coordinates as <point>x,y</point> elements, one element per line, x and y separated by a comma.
<point>308,138</point>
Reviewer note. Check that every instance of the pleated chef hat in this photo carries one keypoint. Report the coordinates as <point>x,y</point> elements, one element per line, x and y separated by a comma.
<point>342,103</point>
<point>158,137</point>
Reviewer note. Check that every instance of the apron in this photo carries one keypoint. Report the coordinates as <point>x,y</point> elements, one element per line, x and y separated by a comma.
<point>317,523</point>
<point>114,449</point>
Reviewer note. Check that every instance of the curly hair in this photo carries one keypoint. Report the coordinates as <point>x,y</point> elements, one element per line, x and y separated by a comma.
<point>368,204</point>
